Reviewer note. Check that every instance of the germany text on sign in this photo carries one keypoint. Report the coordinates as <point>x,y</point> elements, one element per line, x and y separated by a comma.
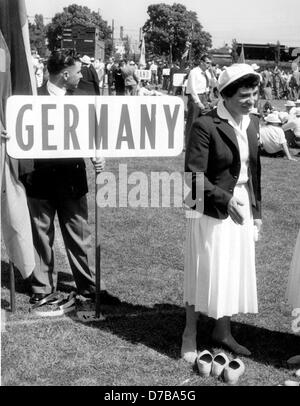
<point>85,126</point>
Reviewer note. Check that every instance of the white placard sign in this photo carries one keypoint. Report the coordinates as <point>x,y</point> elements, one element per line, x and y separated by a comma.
<point>166,72</point>
<point>143,74</point>
<point>46,127</point>
<point>178,79</point>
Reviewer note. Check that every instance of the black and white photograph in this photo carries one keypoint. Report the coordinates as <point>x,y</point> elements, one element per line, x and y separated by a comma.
<point>150,196</point>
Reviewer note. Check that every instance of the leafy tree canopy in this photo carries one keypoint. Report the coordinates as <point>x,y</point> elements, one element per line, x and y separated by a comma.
<point>75,15</point>
<point>170,27</point>
<point>37,33</point>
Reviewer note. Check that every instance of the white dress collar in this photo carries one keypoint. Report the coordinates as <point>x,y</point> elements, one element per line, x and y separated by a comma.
<point>225,115</point>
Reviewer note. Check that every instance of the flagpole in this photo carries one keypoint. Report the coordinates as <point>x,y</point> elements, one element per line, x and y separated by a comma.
<point>191,46</point>
<point>12,287</point>
<point>97,252</point>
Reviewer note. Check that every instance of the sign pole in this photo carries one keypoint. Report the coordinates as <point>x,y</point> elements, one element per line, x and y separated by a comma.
<point>97,252</point>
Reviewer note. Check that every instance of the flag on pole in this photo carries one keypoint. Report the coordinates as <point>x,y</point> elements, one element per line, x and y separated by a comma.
<point>16,77</point>
<point>142,61</point>
<point>242,56</point>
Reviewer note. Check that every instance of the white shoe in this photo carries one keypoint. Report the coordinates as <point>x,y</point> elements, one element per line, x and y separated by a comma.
<point>219,363</point>
<point>204,363</point>
<point>233,371</point>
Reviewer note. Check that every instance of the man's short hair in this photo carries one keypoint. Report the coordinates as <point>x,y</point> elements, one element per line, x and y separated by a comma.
<point>204,57</point>
<point>61,59</point>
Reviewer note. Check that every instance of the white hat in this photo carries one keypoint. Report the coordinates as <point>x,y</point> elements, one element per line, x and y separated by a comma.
<point>235,72</point>
<point>86,59</point>
<point>283,116</point>
<point>297,111</point>
<point>290,103</point>
<point>254,66</point>
<point>273,118</point>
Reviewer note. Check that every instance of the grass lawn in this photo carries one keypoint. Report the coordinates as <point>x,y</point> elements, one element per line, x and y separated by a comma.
<point>142,264</point>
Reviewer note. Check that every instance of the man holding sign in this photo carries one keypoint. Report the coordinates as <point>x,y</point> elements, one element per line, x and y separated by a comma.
<point>60,186</point>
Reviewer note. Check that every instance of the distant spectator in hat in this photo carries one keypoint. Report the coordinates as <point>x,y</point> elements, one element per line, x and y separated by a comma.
<point>89,83</point>
<point>272,138</point>
<point>290,107</point>
<point>294,125</point>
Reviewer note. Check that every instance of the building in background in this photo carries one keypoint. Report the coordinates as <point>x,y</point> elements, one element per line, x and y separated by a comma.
<point>85,40</point>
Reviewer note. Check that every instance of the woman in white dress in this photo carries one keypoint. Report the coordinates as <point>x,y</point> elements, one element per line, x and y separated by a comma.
<point>220,276</point>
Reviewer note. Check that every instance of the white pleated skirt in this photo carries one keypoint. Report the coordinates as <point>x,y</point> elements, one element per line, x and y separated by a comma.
<point>293,287</point>
<point>219,265</point>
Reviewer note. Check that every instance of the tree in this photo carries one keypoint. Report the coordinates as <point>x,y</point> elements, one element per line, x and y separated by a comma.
<point>234,53</point>
<point>77,15</point>
<point>37,34</point>
<point>170,27</point>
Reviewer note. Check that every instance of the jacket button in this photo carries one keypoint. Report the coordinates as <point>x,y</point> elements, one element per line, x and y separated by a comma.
<point>235,177</point>
<point>230,190</point>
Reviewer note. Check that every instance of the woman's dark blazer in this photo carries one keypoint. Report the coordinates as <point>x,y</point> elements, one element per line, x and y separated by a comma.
<point>213,150</point>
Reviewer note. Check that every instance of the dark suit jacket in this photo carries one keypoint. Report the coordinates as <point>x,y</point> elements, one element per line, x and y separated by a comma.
<point>89,83</point>
<point>213,150</point>
<point>56,178</point>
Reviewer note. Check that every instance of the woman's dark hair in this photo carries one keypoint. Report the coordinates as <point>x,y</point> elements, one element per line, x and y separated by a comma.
<point>248,81</point>
<point>60,60</point>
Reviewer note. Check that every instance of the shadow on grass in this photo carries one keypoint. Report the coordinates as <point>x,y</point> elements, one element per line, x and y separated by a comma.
<point>161,327</point>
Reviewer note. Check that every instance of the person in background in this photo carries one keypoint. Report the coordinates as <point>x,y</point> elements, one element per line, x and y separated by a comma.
<point>153,68</point>
<point>119,79</point>
<point>89,82</point>
<point>219,265</point>
<point>197,89</point>
<point>130,78</point>
<point>272,138</point>
<point>110,68</point>
<point>294,125</point>
<point>100,70</point>
<point>290,107</point>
